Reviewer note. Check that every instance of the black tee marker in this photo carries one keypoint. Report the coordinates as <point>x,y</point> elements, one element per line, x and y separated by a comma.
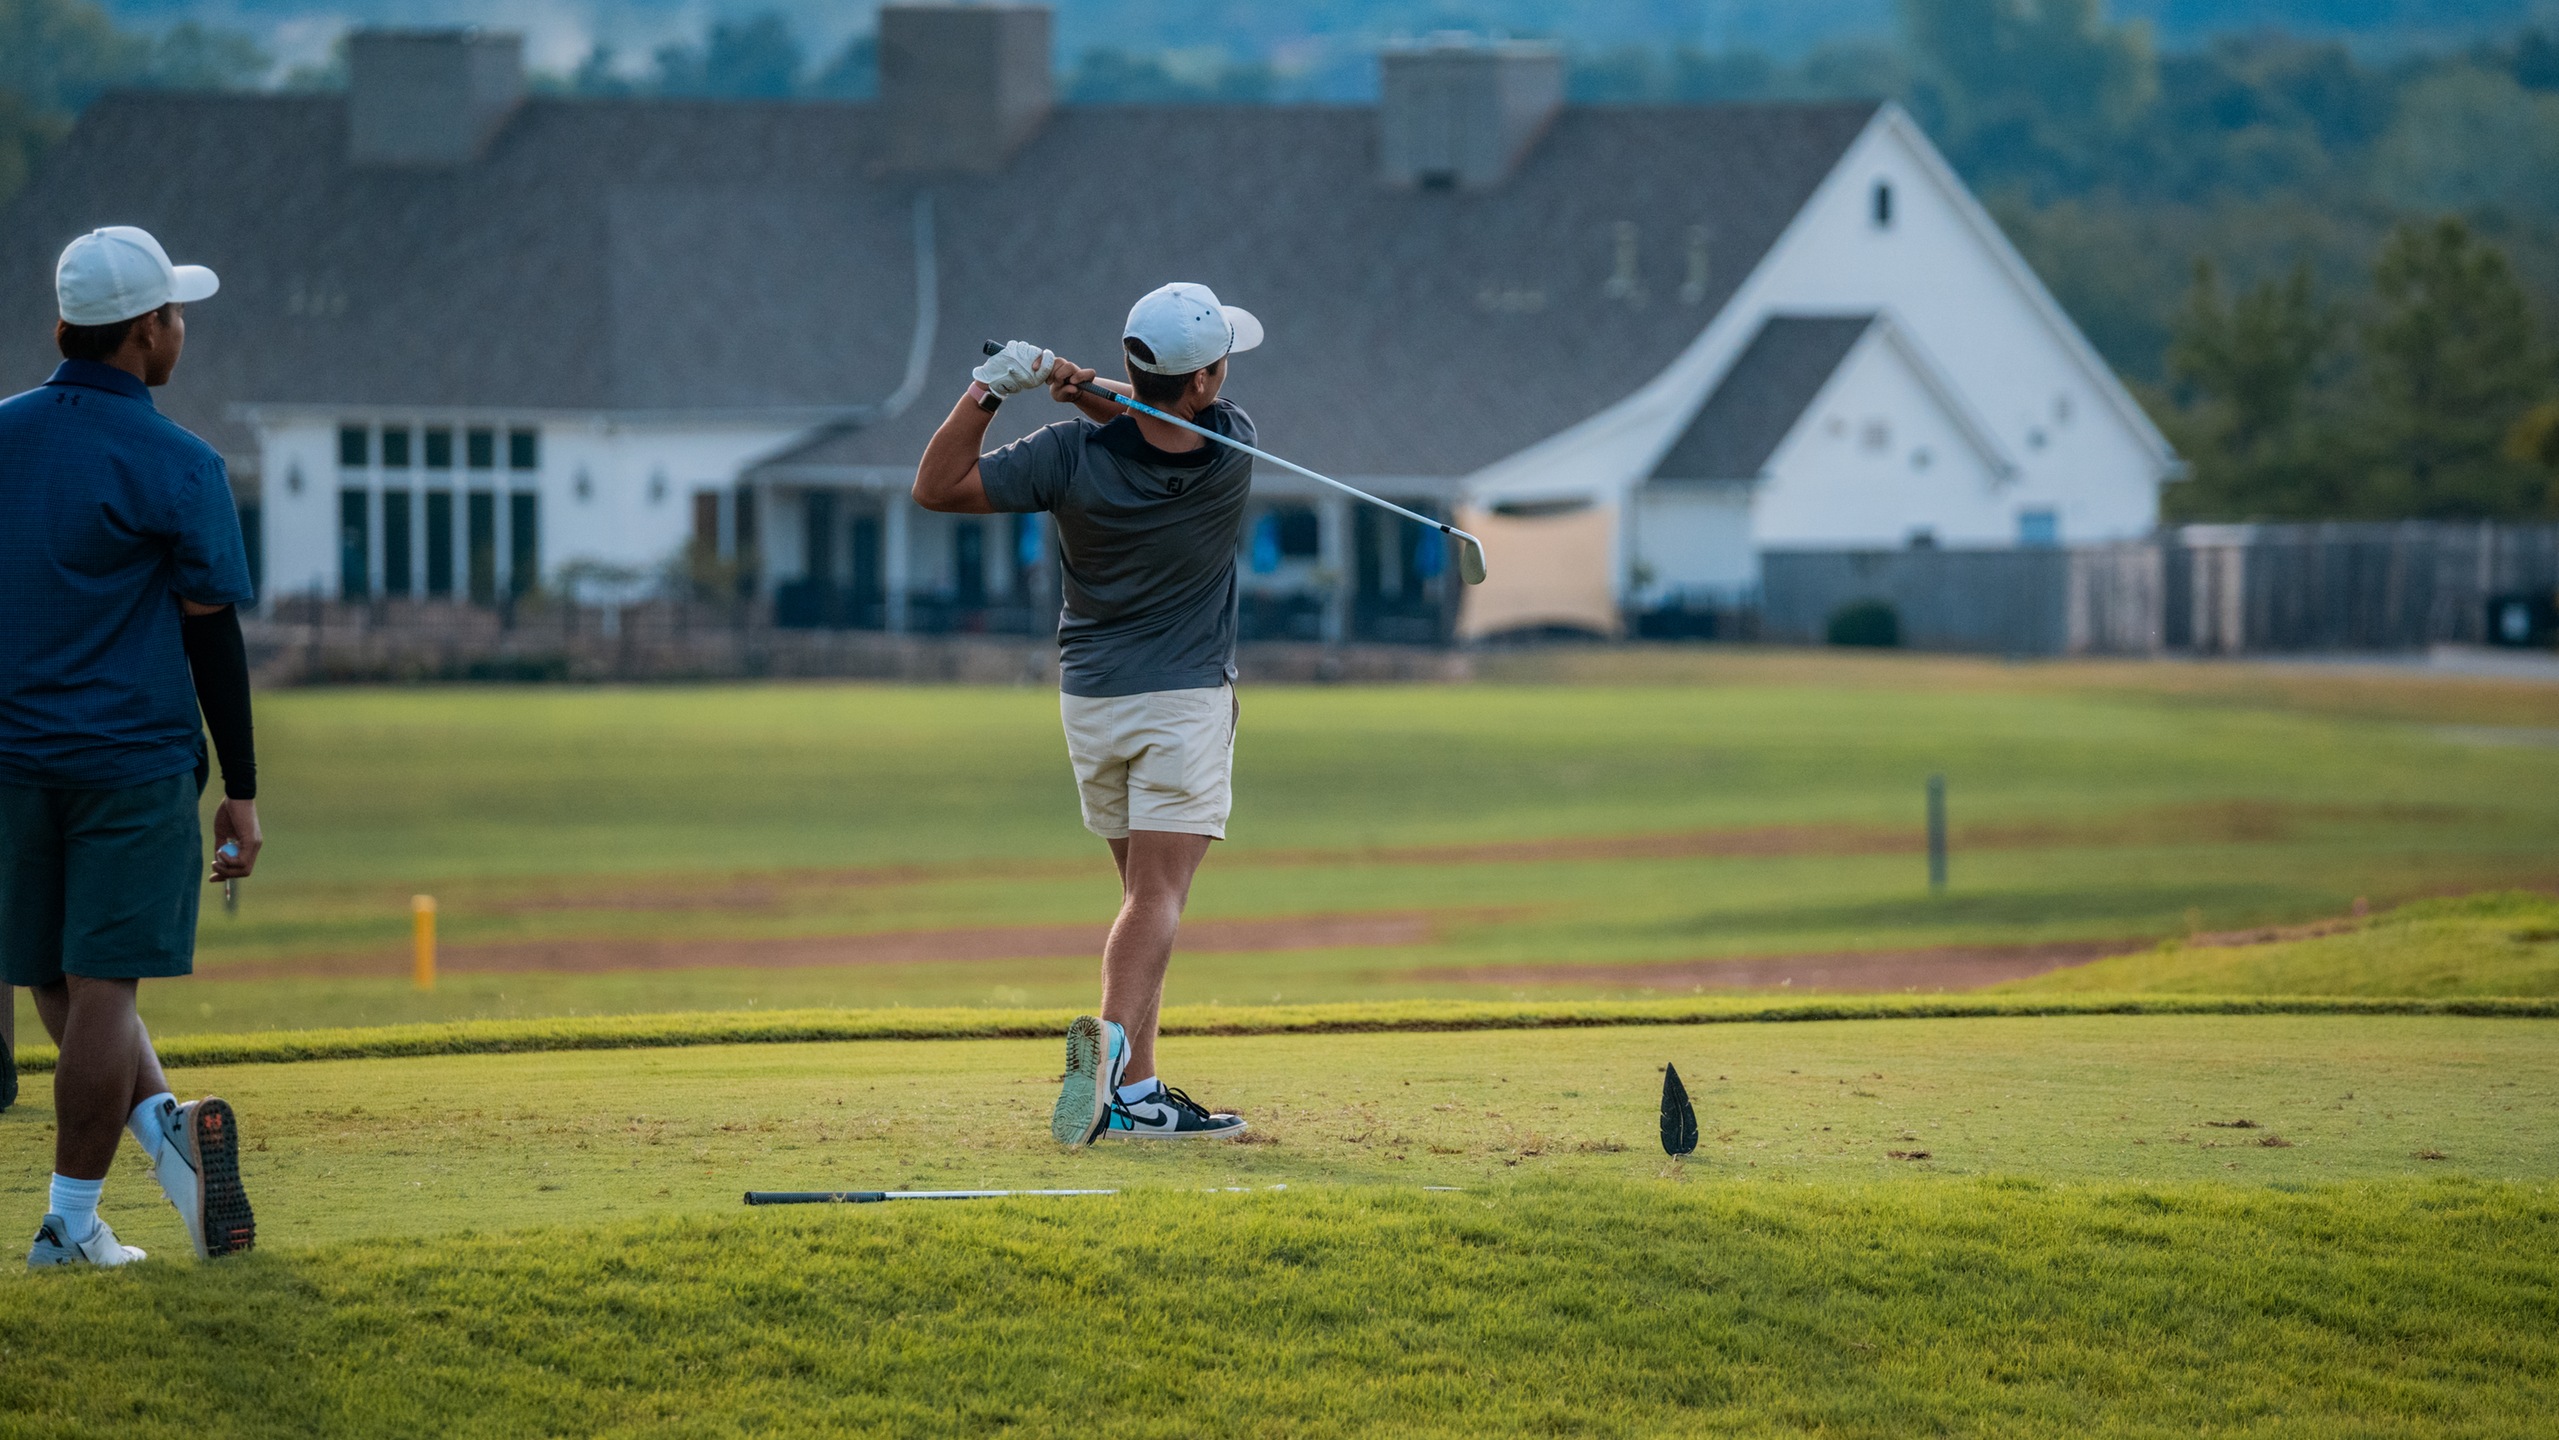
<point>1679,1120</point>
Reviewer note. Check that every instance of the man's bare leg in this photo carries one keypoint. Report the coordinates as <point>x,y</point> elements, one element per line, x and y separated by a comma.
<point>107,1068</point>
<point>1156,867</point>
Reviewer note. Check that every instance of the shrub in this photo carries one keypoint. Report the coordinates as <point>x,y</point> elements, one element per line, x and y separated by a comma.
<point>1872,623</point>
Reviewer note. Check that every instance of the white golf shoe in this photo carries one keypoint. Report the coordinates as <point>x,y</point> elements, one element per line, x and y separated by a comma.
<point>100,1248</point>
<point>199,1170</point>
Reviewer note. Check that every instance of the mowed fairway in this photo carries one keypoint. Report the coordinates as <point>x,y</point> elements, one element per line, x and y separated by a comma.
<point>2058,1224</point>
<point>2122,1225</point>
<point>1566,831</point>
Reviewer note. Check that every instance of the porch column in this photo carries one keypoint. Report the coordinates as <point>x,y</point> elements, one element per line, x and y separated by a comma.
<point>1333,546</point>
<point>893,512</point>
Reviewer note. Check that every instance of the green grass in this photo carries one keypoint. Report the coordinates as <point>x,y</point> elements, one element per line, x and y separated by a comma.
<point>787,1027</point>
<point>1624,1307</point>
<point>2130,803</point>
<point>551,1242</point>
<point>353,1149</point>
<point>2479,945</point>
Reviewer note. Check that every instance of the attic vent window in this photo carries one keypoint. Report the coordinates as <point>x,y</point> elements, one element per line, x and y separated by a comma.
<point>1692,291</point>
<point>1626,282</point>
<point>1883,209</point>
<point>1436,180</point>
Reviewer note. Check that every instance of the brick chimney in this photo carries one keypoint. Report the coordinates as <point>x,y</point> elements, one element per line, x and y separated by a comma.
<point>429,99</point>
<point>963,86</point>
<point>1458,112</point>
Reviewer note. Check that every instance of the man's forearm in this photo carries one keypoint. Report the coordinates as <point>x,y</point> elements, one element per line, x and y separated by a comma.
<point>952,452</point>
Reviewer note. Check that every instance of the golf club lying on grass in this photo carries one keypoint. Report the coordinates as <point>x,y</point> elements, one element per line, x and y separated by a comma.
<point>1470,551</point>
<point>874,1197</point>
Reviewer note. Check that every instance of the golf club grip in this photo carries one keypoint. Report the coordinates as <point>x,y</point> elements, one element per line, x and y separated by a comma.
<point>815,1197</point>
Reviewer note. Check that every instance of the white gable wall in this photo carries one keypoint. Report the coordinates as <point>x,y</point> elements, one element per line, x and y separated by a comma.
<point>2081,446</point>
<point>1877,457</point>
<point>2080,443</point>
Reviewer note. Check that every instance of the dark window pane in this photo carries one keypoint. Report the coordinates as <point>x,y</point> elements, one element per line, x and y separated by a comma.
<point>395,543</point>
<point>1883,204</point>
<point>355,446</point>
<point>968,560</point>
<point>483,548</point>
<point>439,449</point>
<point>253,538</point>
<point>524,449</point>
<point>395,449</point>
<point>355,544</point>
<point>1299,535</point>
<point>706,521</point>
<point>524,542</point>
<point>439,546</point>
<point>480,448</point>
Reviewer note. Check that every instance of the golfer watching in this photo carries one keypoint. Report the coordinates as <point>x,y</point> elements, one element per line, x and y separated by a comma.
<point>1147,518</point>
<point>120,565</point>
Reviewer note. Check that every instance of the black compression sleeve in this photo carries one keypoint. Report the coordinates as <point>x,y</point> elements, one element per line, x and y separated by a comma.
<point>220,660</point>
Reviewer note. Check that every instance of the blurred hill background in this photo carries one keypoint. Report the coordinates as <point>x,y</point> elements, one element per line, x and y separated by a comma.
<point>2322,237</point>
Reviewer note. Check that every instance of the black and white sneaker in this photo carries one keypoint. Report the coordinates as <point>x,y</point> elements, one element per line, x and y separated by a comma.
<point>1168,1114</point>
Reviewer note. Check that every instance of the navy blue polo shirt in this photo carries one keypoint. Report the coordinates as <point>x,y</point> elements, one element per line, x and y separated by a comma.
<point>109,514</point>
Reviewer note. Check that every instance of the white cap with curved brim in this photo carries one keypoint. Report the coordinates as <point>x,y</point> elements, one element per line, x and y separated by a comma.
<point>1185,328</point>
<point>118,272</point>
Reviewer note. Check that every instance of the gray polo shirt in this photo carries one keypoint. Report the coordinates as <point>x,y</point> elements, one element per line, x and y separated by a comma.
<point>1146,540</point>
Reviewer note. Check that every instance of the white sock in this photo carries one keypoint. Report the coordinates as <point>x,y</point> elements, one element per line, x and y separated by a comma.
<point>76,1201</point>
<point>149,1123</point>
<point>1137,1090</point>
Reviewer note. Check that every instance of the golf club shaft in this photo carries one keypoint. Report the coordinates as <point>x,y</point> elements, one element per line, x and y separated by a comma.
<point>874,1197</point>
<point>1142,408</point>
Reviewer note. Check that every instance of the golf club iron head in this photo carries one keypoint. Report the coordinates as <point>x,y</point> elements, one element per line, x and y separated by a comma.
<point>1470,559</point>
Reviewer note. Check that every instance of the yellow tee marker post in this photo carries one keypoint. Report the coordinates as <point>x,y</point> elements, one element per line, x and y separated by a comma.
<point>422,917</point>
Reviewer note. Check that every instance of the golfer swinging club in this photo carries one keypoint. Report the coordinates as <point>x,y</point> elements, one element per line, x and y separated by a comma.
<point>120,567</point>
<point>1147,518</point>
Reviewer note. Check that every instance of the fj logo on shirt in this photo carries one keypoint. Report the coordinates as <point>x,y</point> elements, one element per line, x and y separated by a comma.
<point>1174,484</point>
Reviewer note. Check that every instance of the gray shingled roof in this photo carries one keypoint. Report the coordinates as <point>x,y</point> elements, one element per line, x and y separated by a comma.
<point>1760,398</point>
<point>667,254</point>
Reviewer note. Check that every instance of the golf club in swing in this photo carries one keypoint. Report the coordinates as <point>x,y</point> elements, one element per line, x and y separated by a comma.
<point>1470,551</point>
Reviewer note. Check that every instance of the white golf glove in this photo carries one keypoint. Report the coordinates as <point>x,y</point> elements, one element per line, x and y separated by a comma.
<point>1019,366</point>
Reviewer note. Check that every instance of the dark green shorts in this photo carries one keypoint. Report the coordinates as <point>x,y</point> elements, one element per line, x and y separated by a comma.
<point>99,883</point>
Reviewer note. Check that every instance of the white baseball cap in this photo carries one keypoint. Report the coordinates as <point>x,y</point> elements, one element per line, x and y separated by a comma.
<point>1185,329</point>
<point>119,272</point>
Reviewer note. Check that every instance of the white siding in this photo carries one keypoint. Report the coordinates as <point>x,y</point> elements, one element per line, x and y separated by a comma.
<point>2079,445</point>
<point>1876,458</point>
<point>1694,537</point>
<point>612,490</point>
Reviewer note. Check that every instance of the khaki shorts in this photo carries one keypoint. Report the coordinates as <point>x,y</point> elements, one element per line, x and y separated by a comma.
<point>1164,760</point>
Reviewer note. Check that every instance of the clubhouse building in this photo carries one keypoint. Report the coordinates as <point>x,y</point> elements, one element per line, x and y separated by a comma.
<point>473,340</point>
